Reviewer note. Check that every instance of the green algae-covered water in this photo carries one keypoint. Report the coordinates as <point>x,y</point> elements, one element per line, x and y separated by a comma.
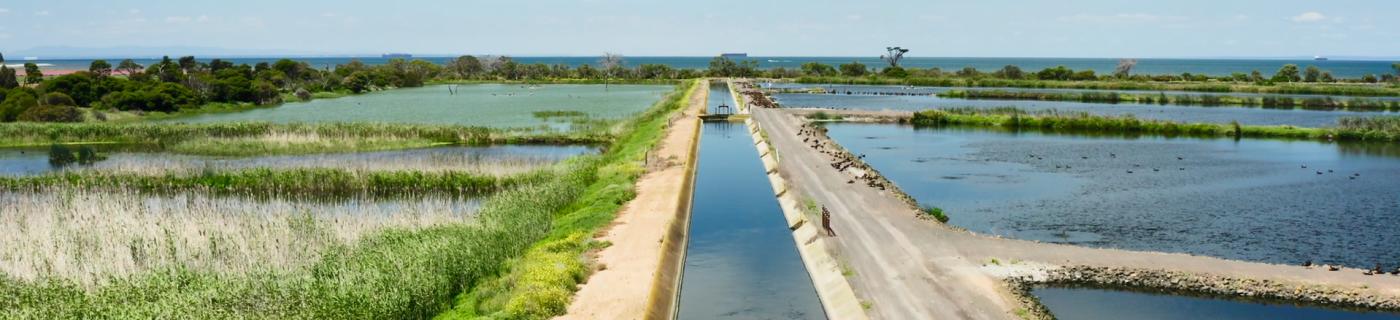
<point>491,105</point>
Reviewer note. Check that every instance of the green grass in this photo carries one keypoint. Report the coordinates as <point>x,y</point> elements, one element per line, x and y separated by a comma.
<point>540,284</point>
<point>1294,88</point>
<point>1349,129</point>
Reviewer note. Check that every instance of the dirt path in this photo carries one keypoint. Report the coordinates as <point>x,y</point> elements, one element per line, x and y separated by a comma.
<point>900,267</point>
<point>910,268</point>
<point>622,289</point>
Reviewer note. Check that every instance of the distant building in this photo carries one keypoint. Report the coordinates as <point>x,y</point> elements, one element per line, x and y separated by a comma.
<point>396,56</point>
<point>734,55</point>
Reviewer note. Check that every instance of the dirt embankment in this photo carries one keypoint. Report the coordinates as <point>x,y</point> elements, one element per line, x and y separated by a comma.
<point>632,268</point>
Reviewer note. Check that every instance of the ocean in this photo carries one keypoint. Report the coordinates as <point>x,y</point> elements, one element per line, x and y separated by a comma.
<point>1213,67</point>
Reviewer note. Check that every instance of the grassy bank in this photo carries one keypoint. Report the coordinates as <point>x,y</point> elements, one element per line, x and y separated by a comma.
<point>1293,88</point>
<point>396,273</point>
<point>1349,129</point>
<point>540,284</point>
<point>243,139</point>
<point>1311,103</point>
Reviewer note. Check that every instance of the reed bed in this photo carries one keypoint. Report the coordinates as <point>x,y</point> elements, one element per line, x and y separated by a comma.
<point>90,238</point>
<point>274,182</point>
<point>236,139</point>
<point>1381,129</point>
<point>1316,88</point>
<point>1273,102</point>
<point>478,164</point>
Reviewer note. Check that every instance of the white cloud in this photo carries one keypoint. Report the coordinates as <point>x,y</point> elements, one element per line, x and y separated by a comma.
<point>178,19</point>
<point>43,13</point>
<point>4,11</point>
<point>134,11</point>
<point>854,17</point>
<point>1310,16</point>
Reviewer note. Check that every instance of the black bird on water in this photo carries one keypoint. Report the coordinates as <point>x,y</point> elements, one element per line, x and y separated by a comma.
<point>1329,170</point>
<point>1319,172</point>
<point>1305,166</point>
<point>1180,158</point>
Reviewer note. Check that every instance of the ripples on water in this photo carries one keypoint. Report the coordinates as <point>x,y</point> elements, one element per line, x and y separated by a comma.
<point>1248,199</point>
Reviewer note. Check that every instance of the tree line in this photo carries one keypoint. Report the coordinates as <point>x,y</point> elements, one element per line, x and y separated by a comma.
<point>172,85</point>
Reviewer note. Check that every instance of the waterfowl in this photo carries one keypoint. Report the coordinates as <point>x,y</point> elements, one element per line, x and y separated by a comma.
<point>1085,158</point>
<point>1319,172</point>
<point>1155,170</point>
<point>1130,171</point>
<point>1180,158</point>
<point>1181,169</point>
<point>1305,166</point>
<point>1329,170</point>
<point>1333,268</point>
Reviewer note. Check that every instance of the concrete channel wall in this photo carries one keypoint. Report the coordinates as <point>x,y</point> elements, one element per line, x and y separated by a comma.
<point>665,292</point>
<point>837,297</point>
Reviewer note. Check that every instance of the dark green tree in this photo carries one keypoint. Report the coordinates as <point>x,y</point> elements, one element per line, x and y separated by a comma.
<point>1311,74</point>
<point>32,74</point>
<point>853,69</point>
<point>1011,72</point>
<point>818,69</point>
<point>129,67</point>
<point>1288,73</point>
<point>100,68</point>
<point>357,82</point>
<point>8,78</point>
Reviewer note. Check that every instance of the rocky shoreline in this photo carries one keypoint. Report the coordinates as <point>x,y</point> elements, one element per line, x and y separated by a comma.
<point>1178,282</point>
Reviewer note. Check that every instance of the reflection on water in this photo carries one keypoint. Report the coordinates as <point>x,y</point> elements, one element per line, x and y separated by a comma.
<point>1261,200</point>
<point>492,105</point>
<point>741,262</point>
<point>1088,303</point>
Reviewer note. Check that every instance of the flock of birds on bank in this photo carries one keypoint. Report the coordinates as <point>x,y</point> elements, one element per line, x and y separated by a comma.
<point>1378,270</point>
<point>812,136</point>
<point>1353,176</point>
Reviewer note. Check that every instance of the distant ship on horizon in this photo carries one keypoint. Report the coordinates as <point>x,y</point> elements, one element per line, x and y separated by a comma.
<point>1319,58</point>
<point>396,56</point>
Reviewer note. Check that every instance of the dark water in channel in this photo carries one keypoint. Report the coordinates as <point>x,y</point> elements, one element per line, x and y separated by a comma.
<point>1248,200</point>
<point>1089,303</point>
<point>719,96</point>
<point>741,262</point>
<point>1223,114</point>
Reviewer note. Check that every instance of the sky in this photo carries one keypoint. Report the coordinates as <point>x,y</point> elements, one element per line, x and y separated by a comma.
<point>966,28</point>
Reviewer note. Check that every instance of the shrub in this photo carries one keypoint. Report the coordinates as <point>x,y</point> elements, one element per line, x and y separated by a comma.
<point>936,213</point>
<point>52,113</point>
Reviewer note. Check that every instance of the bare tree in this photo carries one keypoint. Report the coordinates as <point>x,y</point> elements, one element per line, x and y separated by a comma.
<point>1125,66</point>
<point>490,62</point>
<point>610,63</point>
<point>894,55</point>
